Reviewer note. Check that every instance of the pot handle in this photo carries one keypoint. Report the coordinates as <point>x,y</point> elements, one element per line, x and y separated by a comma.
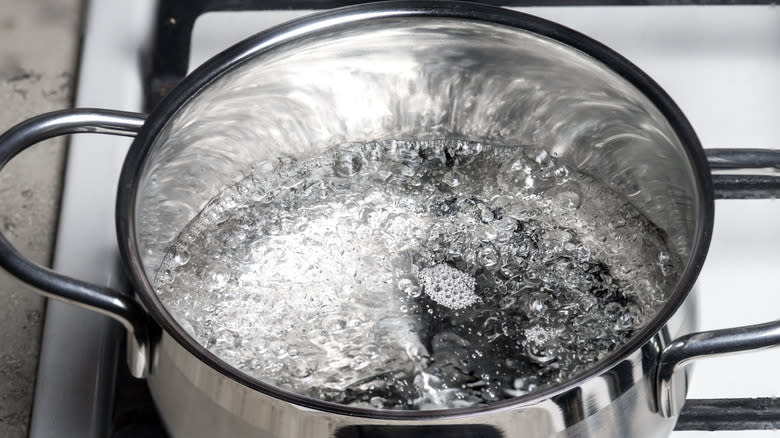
<point>119,306</point>
<point>758,177</point>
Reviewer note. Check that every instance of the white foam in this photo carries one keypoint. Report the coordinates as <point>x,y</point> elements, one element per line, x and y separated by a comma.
<point>448,286</point>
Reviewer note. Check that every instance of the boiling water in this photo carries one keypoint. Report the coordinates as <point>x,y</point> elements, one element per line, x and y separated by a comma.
<point>415,275</point>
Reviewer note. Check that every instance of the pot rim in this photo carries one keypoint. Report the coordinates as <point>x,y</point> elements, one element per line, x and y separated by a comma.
<point>288,32</point>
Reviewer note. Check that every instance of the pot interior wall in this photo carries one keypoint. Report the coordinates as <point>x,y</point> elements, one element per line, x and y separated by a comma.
<point>415,79</point>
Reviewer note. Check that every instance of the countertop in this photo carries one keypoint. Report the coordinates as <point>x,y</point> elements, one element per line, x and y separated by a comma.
<point>38,51</point>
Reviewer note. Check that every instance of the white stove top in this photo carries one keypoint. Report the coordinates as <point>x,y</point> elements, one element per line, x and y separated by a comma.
<point>720,64</point>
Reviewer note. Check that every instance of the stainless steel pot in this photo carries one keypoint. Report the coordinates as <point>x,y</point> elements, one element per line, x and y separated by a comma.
<point>407,70</point>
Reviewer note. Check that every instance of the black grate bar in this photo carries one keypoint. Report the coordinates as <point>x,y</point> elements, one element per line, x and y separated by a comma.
<point>743,158</point>
<point>730,414</point>
<point>746,186</point>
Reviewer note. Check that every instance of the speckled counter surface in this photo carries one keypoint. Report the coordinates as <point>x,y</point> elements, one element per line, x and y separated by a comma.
<point>38,53</point>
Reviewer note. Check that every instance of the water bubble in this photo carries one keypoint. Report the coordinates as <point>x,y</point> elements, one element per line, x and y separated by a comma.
<point>452,178</point>
<point>178,255</point>
<point>569,199</point>
<point>347,164</point>
<point>561,173</point>
<point>538,305</point>
<point>486,215</point>
<point>164,277</point>
<point>540,354</point>
<point>217,276</point>
<point>665,264</point>
<point>488,256</point>
<point>234,240</point>
<point>625,321</point>
<point>543,158</point>
<point>377,402</point>
<point>303,368</point>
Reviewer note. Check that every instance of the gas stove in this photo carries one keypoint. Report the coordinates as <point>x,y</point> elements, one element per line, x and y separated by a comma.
<point>721,64</point>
